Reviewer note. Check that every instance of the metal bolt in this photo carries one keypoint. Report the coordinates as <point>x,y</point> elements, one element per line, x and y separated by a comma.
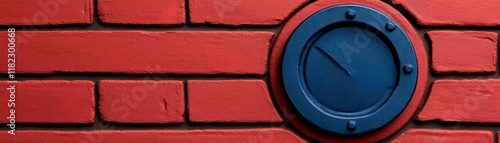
<point>390,26</point>
<point>408,68</point>
<point>350,14</point>
<point>351,125</point>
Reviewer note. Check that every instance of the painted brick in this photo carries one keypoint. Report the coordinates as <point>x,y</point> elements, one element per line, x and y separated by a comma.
<point>46,12</point>
<point>274,135</point>
<point>179,52</point>
<point>162,12</point>
<point>453,12</point>
<point>230,101</point>
<point>141,101</point>
<point>463,101</point>
<point>241,12</point>
<point>465,52</point>
<point>444,136</point>
<point>51,101</point>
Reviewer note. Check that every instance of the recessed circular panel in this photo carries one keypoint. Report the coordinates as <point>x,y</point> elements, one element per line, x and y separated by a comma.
<point>349,69</point>
<point>335,64</point>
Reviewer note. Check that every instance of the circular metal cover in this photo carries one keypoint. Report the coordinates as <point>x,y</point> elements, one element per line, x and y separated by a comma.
<point>349,69</point>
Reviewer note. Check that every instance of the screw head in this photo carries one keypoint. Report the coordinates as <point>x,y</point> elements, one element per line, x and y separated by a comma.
<point>390,26</point>
<point>351,125</point>
<point>408,68</point>
<point>350,14</point>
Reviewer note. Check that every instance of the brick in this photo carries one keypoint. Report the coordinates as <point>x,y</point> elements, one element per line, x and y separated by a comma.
<point>179,52</point>
<point>444,136</point>
<point>274,135</point>
<point>127,101</point>
<point>51,101</point>
<point>463,101</point>
<point>241,12</point>
<point>230,101</point>
<point>158,12</point>
<point>46,12</point>
<point>453,12</point>
<point>464,52</point>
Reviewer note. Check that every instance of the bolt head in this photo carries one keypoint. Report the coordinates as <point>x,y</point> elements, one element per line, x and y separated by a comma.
<point>390,26</point>
<point>350,14</point>
<point>408,68</point>
<point>351,125</point>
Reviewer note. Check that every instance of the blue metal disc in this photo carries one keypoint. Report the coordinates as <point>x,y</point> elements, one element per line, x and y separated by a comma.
<point>349,69</point>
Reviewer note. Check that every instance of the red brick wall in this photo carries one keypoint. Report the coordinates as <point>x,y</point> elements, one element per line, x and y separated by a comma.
<point>198,70</point>
<point>462,103</point>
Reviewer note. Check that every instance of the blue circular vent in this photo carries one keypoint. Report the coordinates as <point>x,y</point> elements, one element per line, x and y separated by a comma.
<point>349,69</point>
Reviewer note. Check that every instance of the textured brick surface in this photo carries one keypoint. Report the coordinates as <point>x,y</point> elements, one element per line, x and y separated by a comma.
<point>212,58</point>
<point>453,12</point>
<point>241,12</point>
<point>141,101</point>
<point>468,52</point>
<point>162,12</point>
<point>178,52</point>
<point>444,136</point>
<point>53,101</point>
<point>156,136</point>
<point>230,101</point>
<point>463,101</point>
<point>46,12</point>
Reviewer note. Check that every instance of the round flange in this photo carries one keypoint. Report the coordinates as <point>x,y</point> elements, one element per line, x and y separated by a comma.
<point>339,68</point>
<point>329,85</point>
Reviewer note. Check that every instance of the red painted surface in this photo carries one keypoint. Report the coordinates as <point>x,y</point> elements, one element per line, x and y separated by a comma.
<point>51,101</point>
<point>180,52</point>
<point>463,101</point>
<point>273,135</point>
<point>445,136</point>
<point>223,38</point>
<point>46,12</point>
<point>131,101</point>
<point>162,12</point>
<point>230,101</point>
<point>453,12</point>
<point>241,12</point>
<point>467,52</point>
<point>292,114</point>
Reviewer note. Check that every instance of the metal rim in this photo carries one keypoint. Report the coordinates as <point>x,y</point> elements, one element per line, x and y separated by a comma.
<point>314,112</point>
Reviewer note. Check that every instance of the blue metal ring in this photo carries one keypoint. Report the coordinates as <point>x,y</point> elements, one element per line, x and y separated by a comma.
<point>330,78</point>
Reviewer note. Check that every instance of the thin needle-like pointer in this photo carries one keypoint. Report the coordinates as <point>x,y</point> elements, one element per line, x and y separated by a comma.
<point>336,61</point>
